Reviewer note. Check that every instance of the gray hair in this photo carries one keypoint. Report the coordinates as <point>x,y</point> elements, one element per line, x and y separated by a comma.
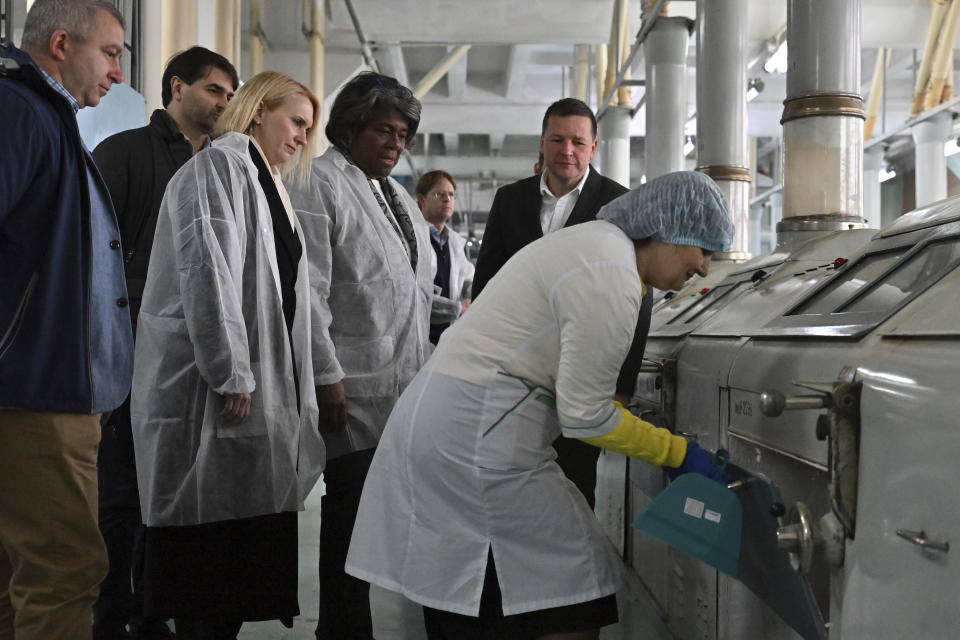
<point>76,17</point>
<point>360,98</point>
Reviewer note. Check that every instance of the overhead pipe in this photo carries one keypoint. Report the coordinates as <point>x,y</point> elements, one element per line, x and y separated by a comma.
<point>364,45</point>
<point>944,52</point>
<point>872,164</point>
<point>648,23</point>
<point>876,92</point>
<point>665,53</point>
<point>315,35</point>
<point>581,72</point>
<point>256,37</point>
<point>722,108</point>
<point>227,29</point>
<point>822,119</point>
<point>433,76</point>
<point>938,10</point>
<point>930,174</point>
<point>623,24</point>
<point>600,64</point>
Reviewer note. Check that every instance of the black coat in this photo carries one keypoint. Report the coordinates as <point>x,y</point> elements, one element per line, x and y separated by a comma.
<point>137,165</point>
<point>514,222</point>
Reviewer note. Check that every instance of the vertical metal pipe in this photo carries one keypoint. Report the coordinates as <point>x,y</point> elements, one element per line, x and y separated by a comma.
<point>872,163</point>
<point>665,53</point>
<point>930,176</point>
<point>600,70</point>
<point>823,117</point>
<point>614,133</point>
<point>722,108</point>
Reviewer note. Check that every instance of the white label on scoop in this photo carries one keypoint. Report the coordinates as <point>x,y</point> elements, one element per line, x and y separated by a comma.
<point>693,508</point>
<point>712,516</point>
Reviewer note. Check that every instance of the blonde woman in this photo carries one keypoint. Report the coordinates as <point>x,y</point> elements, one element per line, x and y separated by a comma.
<point>223,406</point>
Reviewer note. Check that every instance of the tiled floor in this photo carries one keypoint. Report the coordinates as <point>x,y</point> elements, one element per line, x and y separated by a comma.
<point>395,618</point>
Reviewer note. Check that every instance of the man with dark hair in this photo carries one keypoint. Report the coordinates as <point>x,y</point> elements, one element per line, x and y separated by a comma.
<point>66,348</point>
<point>452,271</point>
<point>137,165</point>
<point>566,192</point>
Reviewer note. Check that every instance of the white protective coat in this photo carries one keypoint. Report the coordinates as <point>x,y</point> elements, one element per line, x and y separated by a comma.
<point>370,310</point>
<point>461,279</point>
<point>211,323</point>
<point>466,463</point>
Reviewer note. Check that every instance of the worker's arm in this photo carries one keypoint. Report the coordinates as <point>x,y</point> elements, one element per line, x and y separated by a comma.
<point>639,439</point>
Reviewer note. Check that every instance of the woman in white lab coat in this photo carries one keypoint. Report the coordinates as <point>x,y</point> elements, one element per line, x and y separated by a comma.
<point>465,510</point>
<point>223,405</point>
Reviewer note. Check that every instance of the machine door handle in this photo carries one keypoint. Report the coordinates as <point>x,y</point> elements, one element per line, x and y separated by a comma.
<point>919,538</point>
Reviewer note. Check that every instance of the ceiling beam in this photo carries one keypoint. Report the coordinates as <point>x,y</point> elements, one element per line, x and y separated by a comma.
<point>390,59</point>
<point>457,77</point>
<point>517,61</point>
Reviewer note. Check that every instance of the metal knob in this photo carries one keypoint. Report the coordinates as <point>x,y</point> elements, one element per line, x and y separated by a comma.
<point>798,538</point>
<point>773,403</point>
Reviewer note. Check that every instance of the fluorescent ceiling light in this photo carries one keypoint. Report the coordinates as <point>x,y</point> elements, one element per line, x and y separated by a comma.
<point>951,147</point>
<point>688,147</point>
<point>777,62</point>
<point>643,179</point>
<point>887,174</point>
<point>754,87</point>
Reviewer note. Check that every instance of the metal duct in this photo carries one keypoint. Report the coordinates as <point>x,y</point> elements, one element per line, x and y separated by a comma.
<point>722,109</point>
<point>823,118</point>
<point>614,134</point>
<point>929,137</point>
<point>665,54</point>
<point>872,163</point>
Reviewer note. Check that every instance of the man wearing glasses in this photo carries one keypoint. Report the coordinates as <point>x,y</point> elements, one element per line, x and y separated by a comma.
<point>453,273</point>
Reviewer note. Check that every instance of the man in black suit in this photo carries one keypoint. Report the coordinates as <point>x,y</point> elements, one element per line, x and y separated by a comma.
<point>568,191</point>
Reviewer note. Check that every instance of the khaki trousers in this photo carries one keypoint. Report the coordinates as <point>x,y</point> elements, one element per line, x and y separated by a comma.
<point>52,557</point>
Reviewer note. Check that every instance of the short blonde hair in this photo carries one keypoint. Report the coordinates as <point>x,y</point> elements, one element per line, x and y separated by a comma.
<point>270,88</point>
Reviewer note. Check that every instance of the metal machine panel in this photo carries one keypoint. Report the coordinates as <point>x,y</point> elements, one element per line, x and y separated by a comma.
<point>672,304</point>
<point>933,313</point>
<point>936,214</point>
<point>810,262</point>
<point>908,483</point>
<point>611,496</point>
<point>774,366</point>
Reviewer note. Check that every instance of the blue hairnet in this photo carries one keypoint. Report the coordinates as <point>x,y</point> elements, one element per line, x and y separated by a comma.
<point>684,207</point>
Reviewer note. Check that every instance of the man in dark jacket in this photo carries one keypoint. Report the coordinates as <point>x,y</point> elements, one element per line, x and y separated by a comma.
<point>137,165</point>
<point>66,347</point>
<point>565,192</point>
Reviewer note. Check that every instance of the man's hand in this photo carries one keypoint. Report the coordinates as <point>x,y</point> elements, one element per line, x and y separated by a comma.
<point>236,407</point>
<point>332,402</point>
<point>464,305</point>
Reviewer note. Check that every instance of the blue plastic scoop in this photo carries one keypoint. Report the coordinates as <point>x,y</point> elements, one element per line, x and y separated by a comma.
<point>700,517</point>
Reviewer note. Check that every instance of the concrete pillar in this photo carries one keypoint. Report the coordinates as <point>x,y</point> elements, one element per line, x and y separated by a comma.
<point>929,137</point>
<point>823,117</point>
<point>256,44</point>
<point>665,54</point>
<point>227,30</point>
<point>613,132</point>
<point>722,109</point>
<point>872,163</point>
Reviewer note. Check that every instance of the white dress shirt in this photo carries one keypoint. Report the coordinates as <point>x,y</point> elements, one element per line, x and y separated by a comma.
<point>555,211</point>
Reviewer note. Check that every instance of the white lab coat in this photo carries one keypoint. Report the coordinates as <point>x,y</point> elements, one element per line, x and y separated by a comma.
<point>211,323</point>
<point>370,309</point>
<point>447,310</point>
<point>466,463</point>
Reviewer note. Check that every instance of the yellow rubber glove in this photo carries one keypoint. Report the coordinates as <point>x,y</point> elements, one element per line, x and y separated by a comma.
<point>639,439</point>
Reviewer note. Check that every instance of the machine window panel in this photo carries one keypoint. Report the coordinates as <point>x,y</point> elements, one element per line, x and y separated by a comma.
<point>913,276</point>
<point>707,312</point>
<point>707,299</point>
<point>848,283</point>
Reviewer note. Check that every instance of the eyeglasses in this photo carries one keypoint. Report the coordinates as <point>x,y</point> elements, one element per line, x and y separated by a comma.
<point>443,195</point>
